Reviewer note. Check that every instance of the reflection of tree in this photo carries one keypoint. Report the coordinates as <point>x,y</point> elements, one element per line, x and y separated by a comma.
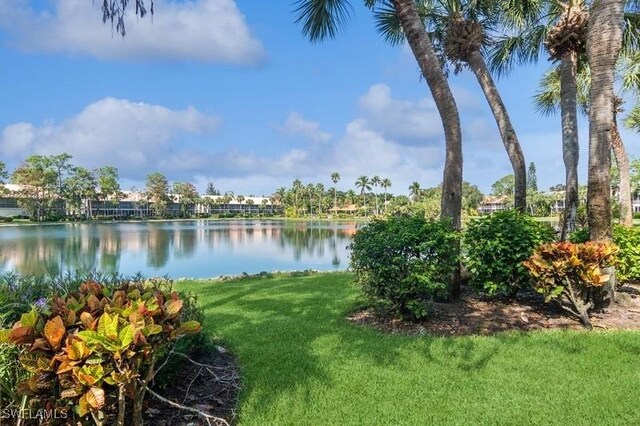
<point>158,246</point>
<point>185,242</point>
<point>312,239</point>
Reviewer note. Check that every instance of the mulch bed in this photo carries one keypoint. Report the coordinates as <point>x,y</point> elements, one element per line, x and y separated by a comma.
<point>474,315</point>
<point>210,386</point>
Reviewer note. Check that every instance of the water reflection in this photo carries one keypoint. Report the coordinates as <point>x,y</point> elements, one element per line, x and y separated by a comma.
<point>186,248</point>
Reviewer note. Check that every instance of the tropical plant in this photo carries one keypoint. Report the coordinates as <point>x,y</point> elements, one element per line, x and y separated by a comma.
<point>385,184</point>
<point>364,184</point>
<point>404,262</point>
<point>496,245</point>
<point>572,274</point>
<point>91,350</point>
<point>158,192</point>
<point>415,192</point>
<point>335,177</point>
<point>375,182</point>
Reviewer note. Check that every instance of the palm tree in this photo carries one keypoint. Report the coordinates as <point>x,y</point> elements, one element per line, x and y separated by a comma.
<point>364,184</point>
<point>323,18</point>
<point>461,30</point>
<point>415,192</point>
<point>375,181</point>
<point>604,43</point>
<point>320,192</point>
<point>386,184</point>
<point>547,100</point>
<point>335,177</point>
<point>310,189</point>
<point>296,187</point>
<point>559,26</point>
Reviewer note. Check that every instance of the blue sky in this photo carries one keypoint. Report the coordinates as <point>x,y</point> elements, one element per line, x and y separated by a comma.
<point>230,92</point>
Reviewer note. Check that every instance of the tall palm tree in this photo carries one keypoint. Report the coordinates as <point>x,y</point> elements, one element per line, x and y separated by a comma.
<point>547,100</point>
<point>322,19</point>
<point>310,190</point>
<point>320,193</point>
<point>364,184</point>
<point>335,177</point>
<point>375,182</point>
<point>604,43</point>
<point>297,189</point>
<point>462,30</point>
<point>559,26</point>
<point>415,192</point>
<point>386,184</point>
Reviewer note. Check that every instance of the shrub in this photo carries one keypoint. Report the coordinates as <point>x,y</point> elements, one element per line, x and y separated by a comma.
<point>404,262</point>
<point>496,245</point>
<point>93,349</point>
<point>573,274</point>
<point>628,257</point>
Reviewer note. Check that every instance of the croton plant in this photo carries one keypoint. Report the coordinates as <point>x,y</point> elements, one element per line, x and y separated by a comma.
<point>94,351</point>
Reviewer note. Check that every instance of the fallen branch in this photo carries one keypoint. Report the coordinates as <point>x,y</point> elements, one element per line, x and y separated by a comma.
<point>208,417</point>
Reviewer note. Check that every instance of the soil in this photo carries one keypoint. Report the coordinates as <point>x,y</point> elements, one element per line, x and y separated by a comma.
<point>474,315</point>
<point>211,386</point>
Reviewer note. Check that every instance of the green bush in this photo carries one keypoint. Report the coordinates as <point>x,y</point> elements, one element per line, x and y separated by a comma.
<point>496,245</point>
<point>404,262</point>
<point>628,258</point>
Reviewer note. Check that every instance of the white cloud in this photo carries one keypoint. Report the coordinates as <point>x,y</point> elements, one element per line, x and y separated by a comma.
<point>297,125</point>
<point>198,30</point>
<point>133,136</point>
<point>408,122</point>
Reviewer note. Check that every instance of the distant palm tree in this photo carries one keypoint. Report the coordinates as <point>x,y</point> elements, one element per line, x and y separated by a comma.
<point>386,184</point>
<point>335,177</point>
<point>311,192</point>
<point>297,188</point>
<point>364,184</point>
<point>415,192</point>
<point>375,181</point>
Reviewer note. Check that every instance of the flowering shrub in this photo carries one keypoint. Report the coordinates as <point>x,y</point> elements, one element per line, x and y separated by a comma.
<point>95,350</point>
<point>573,274</point>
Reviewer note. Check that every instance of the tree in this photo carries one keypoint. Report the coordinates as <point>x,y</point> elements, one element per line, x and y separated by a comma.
<point>323,18</point>
<point>532,178</point>
<point>415,193</point>
<point>158,192</point>
<point>375,182</point>
<point>39,186</point>
<point>604,42</point>
<point>187,196</point>
<point>61,164</point>
<point>386,184</point>
<point>364,184</point>
<point>296,187</point>
<point>471,196</point>
<point>561,28</point>
<point>503,186</point>
<point>211,189</point>
<point>81,188</point>
<point>108,184</point>
<point>3,173</point>
<point>462,31</point>
<point>335,177</point>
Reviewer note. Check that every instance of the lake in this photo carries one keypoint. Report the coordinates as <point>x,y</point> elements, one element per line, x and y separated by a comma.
<point>197,248</point>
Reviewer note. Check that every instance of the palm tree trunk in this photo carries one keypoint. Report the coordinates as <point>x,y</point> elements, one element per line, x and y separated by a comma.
<point>431,68</point>
<point>604,41</point>
<point>622,161</point>
<point>507,133</point>
<point>570,143</point>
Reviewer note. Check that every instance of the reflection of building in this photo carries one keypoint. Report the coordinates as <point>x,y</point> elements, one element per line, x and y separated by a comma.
<point>136,204</point>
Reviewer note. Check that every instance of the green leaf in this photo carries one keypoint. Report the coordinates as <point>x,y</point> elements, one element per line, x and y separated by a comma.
<point>29,319</point>
<point>94,338</point>
<point>126,336</point>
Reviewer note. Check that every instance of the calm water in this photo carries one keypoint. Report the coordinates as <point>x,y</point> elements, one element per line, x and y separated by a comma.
<point>198,248</point>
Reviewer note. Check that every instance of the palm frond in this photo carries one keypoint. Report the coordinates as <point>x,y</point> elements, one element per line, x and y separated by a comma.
<point>633,119</point>
<point>546,100</point>
<point>631,35</point>
<point>509,51</point>
<point>630,71</point>
<point>322,19</point>
<point>388,23</point>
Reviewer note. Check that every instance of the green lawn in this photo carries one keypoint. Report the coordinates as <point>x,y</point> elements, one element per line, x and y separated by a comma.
<point>304,363</point>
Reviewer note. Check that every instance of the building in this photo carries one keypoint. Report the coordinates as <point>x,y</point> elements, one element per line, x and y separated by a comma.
<point>134,204</point>
<point>492,204</point>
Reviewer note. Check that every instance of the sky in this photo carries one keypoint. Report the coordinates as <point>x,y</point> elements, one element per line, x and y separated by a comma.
<point>230,92</point>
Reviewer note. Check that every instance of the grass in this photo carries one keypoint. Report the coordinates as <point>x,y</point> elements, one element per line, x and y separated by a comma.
<point>304,363</point>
